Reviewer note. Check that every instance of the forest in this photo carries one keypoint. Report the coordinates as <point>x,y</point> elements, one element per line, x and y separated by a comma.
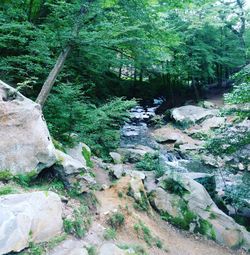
<point>103,91</point>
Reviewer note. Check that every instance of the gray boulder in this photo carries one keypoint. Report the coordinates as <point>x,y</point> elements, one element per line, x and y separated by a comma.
<point>187,204</point>
<point>70,247</point>
<point>31,217</point>
<point>74,173</point>
<point>25,141</point>
<point>190,114</point>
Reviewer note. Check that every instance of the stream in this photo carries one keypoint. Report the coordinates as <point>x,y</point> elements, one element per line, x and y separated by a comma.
<point>136,132</point>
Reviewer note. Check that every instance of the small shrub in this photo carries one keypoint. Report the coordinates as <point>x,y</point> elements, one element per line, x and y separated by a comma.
<point>80,223</point>
<point>138,249</point>
<point>110,234</point>
<point>174,187</point>
<point>5,175</point>
<point>144,233</point>
<point>143,203</point>
<point>116,220</point>
<point>25,179</point>
<point>151,162</point>
<point>92,250</point>
<point>5,190</point>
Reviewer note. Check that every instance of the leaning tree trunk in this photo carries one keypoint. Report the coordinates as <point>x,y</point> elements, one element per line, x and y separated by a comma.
<point>48,84</point>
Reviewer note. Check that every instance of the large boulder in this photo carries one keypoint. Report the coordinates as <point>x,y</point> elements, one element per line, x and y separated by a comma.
<point>70,247</point>
<point>135,154</point>
<point>73,172</point>
<point>187,204</point>
<point>25,141</point>
<point>31,217</point>
<point>190,114</point>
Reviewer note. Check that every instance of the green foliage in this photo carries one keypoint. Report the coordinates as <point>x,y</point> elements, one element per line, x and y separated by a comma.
<point>143,203</point>
<point>174,186</point>
<point>43,248</point>
<point>5,175</point>
<point>138,249</point>
<point>87,156</point>
<point>116,220</point>
<point>96,126</point>
<point>187,217</point>
<point>229,139</point>
<point>110,234</point>
<point>5,190</point>
<point>80,222</point>
<point>151,162</point>
<point>92,250</point>
<point>25,179</point>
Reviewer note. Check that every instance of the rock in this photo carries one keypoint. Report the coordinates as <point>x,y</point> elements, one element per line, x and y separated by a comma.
<point>206,126</point>
<point>135,154</point>
<point>73,172</point>
<point>112,249</point>
<point>207,105</point>
<point>26,145</point>
<point>69,247</point>
<point>206,180</point>
<point>241,167</point>
<point>150,181</point>
<point>187,204</point>
<point>190,114</point>
<point>168,135</point>
<point>76,153</point>
<point>31,217</point>
<point>211,160</point>
<point>117,170</point>
<point>117,158</point>
<point>189,147</point>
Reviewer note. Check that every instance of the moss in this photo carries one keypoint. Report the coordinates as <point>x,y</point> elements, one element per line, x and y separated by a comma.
<point>205,228</point>
<point>5,190</point>
<point>5,175</point>
<point>87,156</point>
<point>58,145</point>
<point>174,187</point>
<point>212,216</point>
<point>143,203</point>
<point>25,179</point>
<point>110,234</point>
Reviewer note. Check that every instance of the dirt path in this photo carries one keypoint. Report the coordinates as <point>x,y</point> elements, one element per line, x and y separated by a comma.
<point>174,241</point>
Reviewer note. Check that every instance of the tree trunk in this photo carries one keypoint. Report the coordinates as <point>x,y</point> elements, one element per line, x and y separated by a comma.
<point>48,84</point>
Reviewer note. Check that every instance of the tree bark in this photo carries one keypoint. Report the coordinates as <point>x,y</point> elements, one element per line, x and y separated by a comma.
<point>48,84</point>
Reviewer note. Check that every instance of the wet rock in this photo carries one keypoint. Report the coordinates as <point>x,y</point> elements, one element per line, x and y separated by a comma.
<point>26,145</point>
<point>31,217</point>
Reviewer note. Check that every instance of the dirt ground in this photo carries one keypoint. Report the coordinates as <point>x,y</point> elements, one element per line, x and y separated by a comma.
<point>175,242</point>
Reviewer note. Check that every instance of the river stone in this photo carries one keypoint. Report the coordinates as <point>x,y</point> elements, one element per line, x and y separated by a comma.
<point>70,247</point>
<point>26,145</point>
<point>190,114</point>
<point>73,172</point>
<point>191,196</point>
<point>30,217</point>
